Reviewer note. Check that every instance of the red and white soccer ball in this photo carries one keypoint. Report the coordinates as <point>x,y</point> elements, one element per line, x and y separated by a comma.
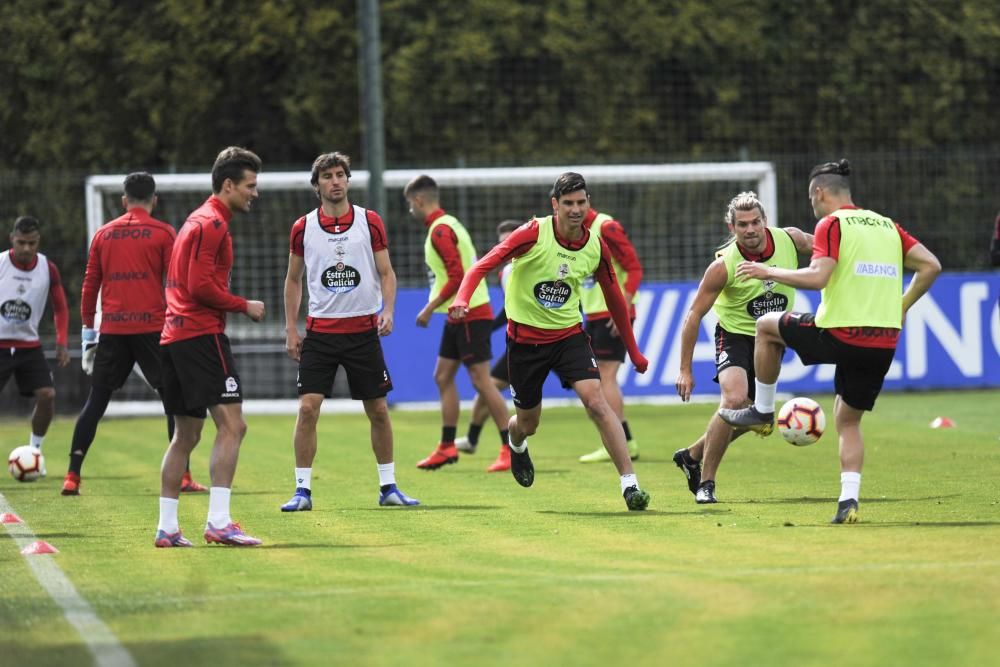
<point>25,463</point>
<point>801,421</point>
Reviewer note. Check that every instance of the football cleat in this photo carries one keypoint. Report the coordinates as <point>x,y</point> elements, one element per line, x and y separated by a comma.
<point>463,445</point>
<point>71,484</point>
<point>761,423</point>
<point>441,456</point>
<point>391,495</point>
<point>847,512</point>
<point>601,455</point>
<point>231,535</point>
<point>165,540</point>
<point>522,468</point>
<point>188,485</point>
<point>706,493</point>
<point>690,468</point>
<point>503,460</point>
<point>636,499</point>
<point>300,502</point>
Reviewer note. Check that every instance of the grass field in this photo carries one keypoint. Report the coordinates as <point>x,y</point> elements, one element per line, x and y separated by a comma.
<point>488,573</point>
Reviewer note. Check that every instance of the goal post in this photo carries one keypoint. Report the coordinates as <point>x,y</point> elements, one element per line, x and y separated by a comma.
<point>674,214</point>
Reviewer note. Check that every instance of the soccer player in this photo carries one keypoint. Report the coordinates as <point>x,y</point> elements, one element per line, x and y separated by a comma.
<point>552,256</point>
<point>199,374</point>
<point>857,262</point>
<point>27,280</point>
<point>449,253</point>
<point>127,265</point>
<point>499,374</point>
<point>738,303</point>
<point>604,339</point>
<point>343,252</point>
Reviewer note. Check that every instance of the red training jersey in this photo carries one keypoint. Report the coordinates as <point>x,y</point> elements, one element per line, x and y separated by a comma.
<point>621,248</point>
<point>198,295</point>
<point>340,225</point>
<point>445,244</point>
<point>826,243</point>
<point>127,265</point>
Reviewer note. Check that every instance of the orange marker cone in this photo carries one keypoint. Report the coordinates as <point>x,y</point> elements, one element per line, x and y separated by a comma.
<point>39,547</point>
<point>7,517</point>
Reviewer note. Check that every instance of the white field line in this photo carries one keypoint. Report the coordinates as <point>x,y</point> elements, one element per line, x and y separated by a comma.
<point>105,647</point>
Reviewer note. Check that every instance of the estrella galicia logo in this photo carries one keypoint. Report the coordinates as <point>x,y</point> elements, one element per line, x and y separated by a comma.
<point>769,302</point>
<point>15,310</point>
<point>341,278</point>
<point>552,294</point>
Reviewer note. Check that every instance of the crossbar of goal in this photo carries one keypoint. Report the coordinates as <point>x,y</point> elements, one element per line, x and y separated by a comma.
<point>761,172</point>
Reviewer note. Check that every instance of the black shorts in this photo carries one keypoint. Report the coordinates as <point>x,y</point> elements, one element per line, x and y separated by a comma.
<point>500,369</point>
<point>197,374</point>
<point>606,347</point>
<point>118,353</point>
<point>733,350</point>
<point>28,366</point>
<point>359,353</point>
<point>468,342</point>
<point>571,358</point>
<point>860,370</point>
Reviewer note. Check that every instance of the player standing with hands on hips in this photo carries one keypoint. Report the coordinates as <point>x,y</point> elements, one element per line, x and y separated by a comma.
<point>552,256</point>
<point>199,374</point>
<point>858,260</point>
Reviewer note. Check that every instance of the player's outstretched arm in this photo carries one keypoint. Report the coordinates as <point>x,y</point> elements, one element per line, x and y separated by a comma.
<point>520,241</point>
<point>712,283</point>
<point>608,281</point>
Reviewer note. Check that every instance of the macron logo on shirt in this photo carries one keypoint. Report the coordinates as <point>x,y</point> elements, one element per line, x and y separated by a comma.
<point>876,270</point>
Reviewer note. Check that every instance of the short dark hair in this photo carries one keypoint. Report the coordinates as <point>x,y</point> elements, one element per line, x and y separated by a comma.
<point>139,187</point>
<point>568,182</point>
<point>231,164</point>
<point>508,226</point>
<point>26,224</point>
<point>832,176</point>
<point>420,185</point>
<point>327,160</point>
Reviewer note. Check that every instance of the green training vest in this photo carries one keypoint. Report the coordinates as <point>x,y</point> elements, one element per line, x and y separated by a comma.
<point>544,289</point>
<point>439,274</point>
<point>592,296</point>
<point>743,300</point>
<point>866,287</point>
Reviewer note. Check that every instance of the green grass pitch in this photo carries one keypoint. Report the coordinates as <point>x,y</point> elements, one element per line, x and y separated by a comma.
<point>488,573</point>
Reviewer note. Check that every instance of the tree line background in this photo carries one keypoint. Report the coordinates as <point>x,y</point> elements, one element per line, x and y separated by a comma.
<point>908,89</point>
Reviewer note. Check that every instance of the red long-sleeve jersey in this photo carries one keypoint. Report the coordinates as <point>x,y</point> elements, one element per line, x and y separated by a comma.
<point>520,242</point>
<point>127,265</point>
<point>198,295</point>
<point>621,248</point>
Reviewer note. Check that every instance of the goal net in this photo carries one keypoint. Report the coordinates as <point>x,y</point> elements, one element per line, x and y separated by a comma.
<point>672,212</point>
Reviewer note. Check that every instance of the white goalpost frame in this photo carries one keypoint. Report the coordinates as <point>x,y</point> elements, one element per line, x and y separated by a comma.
<point>762,173</point>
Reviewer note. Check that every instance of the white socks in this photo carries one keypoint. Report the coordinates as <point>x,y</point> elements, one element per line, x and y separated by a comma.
<point>36,441</point>
<point>850,485</point>
<point>520,447</point>
<point>764,399</point>
<point>386,473</point>
<point>168,515</point>
<point>218,507</point>
<point>629,480</point>
<point>303,478</point>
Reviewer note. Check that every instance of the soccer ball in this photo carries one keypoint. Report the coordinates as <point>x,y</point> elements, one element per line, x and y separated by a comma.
<point>801,421</point>
<point>25,463</point>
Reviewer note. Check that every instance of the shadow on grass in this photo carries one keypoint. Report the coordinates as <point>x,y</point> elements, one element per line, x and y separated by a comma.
<point>328,545</point>
<point>433,508</point>
<point>925,524</point>
<point>833,500</point>
<point>189,652</point>
<point>625,512</point>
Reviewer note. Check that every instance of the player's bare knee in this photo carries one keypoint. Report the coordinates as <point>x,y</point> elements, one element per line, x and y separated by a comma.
<point>734,401</point>
<point>45,396</point>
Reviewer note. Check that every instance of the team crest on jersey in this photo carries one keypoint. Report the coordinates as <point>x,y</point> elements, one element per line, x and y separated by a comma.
<point>563,271</point>
<point>231,384</point>
<point>15,310</point>
<point>21,289</point>
<point>340,278</point>
<point>768,288</point>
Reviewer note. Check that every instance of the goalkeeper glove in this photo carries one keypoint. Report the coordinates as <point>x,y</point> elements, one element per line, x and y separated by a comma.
<point>88,343</point>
